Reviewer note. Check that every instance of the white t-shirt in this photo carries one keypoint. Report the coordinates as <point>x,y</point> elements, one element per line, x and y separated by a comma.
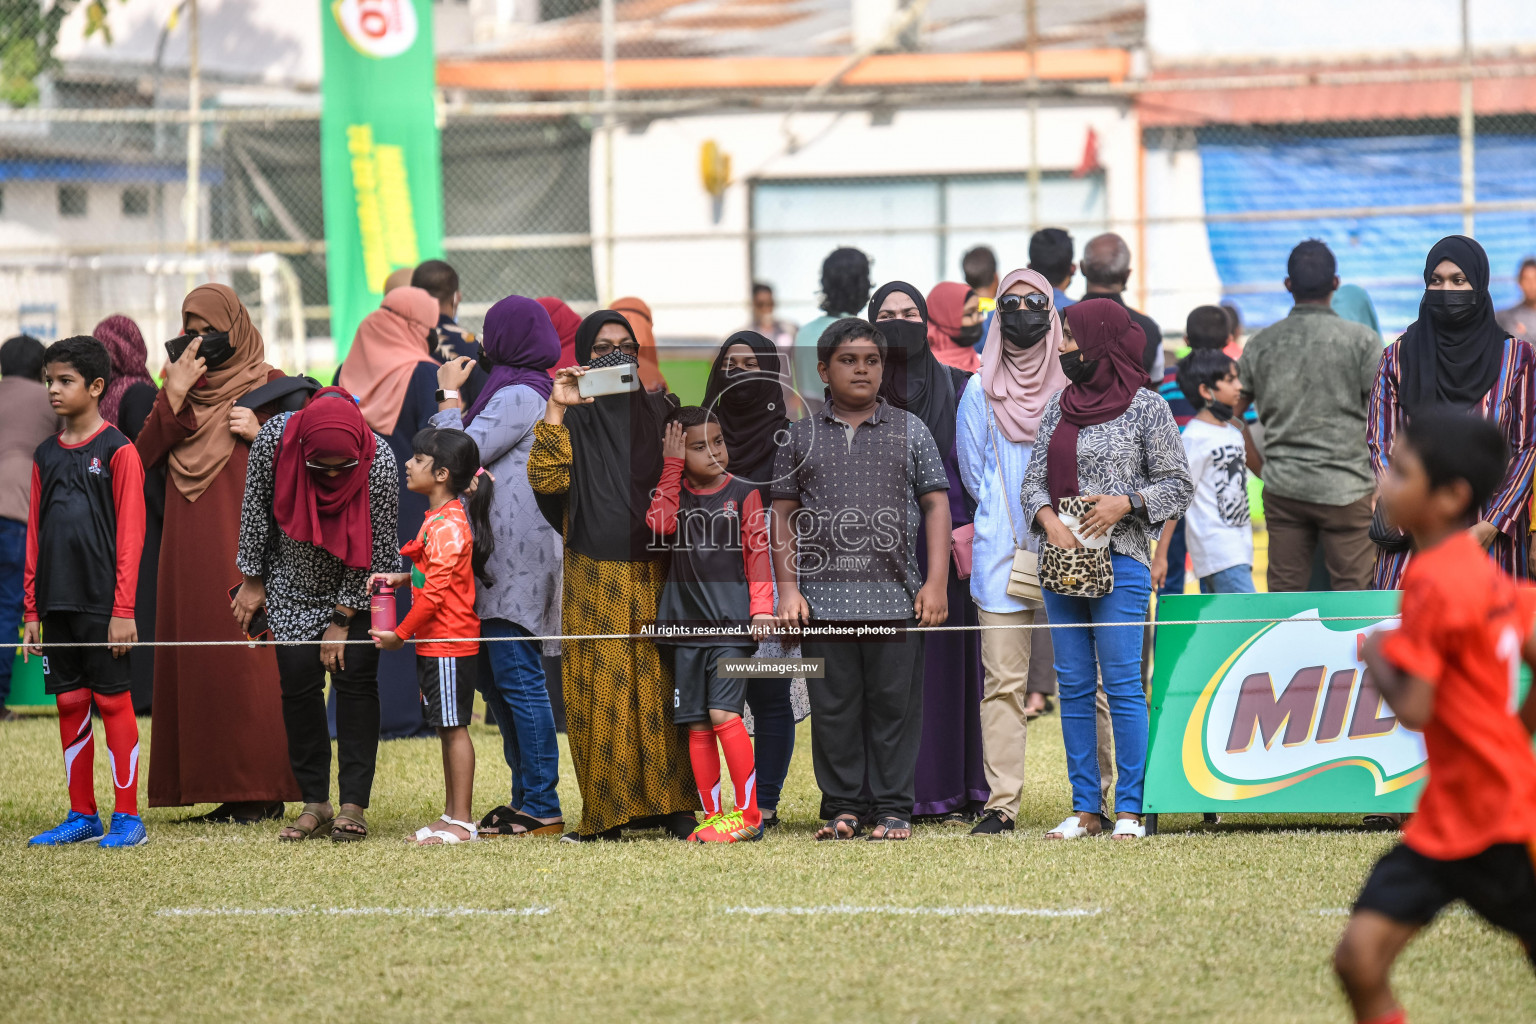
<point>1217,529</point>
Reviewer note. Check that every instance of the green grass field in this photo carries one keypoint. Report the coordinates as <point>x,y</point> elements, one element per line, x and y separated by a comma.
<point>1233,922</point>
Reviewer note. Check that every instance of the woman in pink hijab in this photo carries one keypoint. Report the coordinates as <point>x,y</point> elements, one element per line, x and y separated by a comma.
<point>995,439</point>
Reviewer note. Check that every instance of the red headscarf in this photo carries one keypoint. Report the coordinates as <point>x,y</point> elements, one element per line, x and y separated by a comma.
<point>638,315</point>
<point>125,346</point>
<point>566,322</point>
<point>1108,338</point>
<point>946,308</point>
<point>328,511</point>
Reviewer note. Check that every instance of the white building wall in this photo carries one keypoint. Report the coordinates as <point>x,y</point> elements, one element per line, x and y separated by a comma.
<point>700,287</point>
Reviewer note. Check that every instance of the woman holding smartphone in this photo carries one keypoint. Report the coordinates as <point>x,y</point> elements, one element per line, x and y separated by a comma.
<point>218,734</point>
<point>594,462</point>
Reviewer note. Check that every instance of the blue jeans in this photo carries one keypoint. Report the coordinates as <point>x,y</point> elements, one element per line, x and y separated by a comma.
<point>1236,580</point>
<point>1082,656</point>
<point>13,565</point>
<point>520,702</point>
<point>1177,550</point>
<point>773,727</point>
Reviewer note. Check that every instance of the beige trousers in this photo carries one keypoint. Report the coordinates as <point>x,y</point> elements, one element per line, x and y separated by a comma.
<point>1005,681</point>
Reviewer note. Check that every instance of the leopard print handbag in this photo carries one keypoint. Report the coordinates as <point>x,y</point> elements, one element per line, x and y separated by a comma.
<point>1076,572</point>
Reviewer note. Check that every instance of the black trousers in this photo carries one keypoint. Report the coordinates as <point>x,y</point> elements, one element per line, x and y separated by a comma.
<point>357,717</point>
<point>867,722</point>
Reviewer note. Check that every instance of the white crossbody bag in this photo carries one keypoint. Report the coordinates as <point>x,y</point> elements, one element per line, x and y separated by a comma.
<point>1024,576</point>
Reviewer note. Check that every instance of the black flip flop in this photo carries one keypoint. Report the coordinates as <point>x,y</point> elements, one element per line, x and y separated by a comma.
<point>832,823</point>
<point>500,822</point>
<point>890,823</point>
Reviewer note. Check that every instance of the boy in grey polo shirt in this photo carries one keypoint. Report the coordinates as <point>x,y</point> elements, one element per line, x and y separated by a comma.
<point>850,490</point>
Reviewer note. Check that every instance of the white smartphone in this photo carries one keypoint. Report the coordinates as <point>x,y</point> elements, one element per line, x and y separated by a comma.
<point>609,380</point>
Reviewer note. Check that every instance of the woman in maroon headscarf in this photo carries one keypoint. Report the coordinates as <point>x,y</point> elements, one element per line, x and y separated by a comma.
<point>1113,443</point>
<point>318,520</point>
<point>129,397</point>
<point>566,323</point>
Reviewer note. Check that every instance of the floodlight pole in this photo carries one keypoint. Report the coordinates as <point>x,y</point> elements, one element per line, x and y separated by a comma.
<point>192,212</point>
<point>1031,34</point>
<point>610,95</point>
<point>1467,128</point>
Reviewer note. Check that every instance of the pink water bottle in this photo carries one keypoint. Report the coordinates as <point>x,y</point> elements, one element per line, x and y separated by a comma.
<point>381,608</point>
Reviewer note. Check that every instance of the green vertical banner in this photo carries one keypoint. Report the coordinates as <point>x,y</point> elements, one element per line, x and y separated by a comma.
<point>380,154</point>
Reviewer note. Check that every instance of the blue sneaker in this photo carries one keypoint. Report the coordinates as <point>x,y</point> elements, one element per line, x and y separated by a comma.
<point>77,828</point>
<point>127,830</point>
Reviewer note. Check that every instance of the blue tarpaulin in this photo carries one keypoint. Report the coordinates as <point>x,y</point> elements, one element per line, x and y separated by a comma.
<point>1385,255</point>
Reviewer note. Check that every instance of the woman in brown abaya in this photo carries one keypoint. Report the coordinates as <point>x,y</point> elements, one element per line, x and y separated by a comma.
<point>218,734</point>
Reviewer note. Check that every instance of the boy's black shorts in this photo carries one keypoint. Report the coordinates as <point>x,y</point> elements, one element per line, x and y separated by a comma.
<point>1499,884</point>
<point>698,685</point>
<point>75,668</point>
<point>447,688</point>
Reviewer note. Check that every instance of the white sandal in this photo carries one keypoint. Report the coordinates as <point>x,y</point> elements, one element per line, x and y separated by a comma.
<point>447,838</point>
<point>1129,828</point>
<point>1069,829</point>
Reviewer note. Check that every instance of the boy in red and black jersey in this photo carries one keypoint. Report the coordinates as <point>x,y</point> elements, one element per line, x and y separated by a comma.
<point>1451,670</point>
<point>720,579</point>
<point>85,532</point>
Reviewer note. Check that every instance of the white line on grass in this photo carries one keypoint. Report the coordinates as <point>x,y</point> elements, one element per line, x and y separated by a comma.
<point>965,911</point>
<point>352,911</point>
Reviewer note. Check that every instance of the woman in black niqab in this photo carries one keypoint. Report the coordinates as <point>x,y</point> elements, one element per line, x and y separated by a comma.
<point>749,405</point>
<point>1451,353</point>
<point>914,379</point>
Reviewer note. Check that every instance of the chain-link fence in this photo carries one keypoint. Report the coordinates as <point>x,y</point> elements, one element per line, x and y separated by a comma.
<point>585,151</point>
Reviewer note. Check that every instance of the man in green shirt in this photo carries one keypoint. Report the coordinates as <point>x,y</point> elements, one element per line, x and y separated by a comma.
<point>1309,377</point>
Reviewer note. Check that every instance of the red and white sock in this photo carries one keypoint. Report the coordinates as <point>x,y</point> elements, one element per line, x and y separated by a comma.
<point>737,746</point>
<point>706,768</point>
<point>79,749</point>
<point>123,745</point>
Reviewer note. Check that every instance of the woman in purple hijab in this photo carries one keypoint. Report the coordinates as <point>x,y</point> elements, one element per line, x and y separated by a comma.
<point>521,343</point>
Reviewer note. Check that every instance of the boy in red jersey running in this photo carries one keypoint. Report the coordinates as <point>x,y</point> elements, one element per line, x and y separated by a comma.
<point>1452,670</point>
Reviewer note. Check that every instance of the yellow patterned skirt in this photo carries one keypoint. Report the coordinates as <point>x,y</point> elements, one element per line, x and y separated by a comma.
<point>631,761</point>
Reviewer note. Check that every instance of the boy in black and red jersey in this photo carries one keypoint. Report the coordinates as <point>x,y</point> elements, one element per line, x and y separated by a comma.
<point>1451,670</point>
<point>721,579</point>
<point>85,532</point>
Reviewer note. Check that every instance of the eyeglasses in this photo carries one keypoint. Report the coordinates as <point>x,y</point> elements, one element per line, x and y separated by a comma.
<point>1034,301</point>
<point>602,348</point>
<point>326,467</point>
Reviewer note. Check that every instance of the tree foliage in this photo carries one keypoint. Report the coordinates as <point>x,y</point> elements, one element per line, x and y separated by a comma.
<point>29,30</point>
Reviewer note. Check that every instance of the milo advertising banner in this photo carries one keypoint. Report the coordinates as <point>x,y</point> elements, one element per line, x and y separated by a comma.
<point>379,151</point>
<point>1279,716</point>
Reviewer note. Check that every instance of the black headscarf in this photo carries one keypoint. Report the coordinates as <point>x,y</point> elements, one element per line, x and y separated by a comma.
<point>749,407</point>
<point>1452,365</point>
<point>914,380</point>
<point>615,459</point>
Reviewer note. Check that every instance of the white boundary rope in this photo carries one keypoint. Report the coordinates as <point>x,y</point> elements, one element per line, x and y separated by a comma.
<point>729,635</point>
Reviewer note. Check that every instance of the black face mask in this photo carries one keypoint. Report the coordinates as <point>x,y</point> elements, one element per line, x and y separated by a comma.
<point>908,336</point>
<point>1451,308</point>
<point>1221,410</point>
<point>969,336</point>
<point>215,350</point>
<point>1076,367</point>
<point>1023,328</point>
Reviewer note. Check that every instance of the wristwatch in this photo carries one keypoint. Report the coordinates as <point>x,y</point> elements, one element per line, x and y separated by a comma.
<point>1137,501</point>
<point>340,621</point>
<point>443,396</point>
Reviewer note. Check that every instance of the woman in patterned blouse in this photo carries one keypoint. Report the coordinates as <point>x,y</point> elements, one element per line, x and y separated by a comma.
<point>318,520</point>
<point>1105,438</point>
<point>1456,353</point>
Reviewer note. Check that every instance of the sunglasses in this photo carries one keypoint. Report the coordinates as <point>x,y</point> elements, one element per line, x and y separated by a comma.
<point>1034,302</point>
<point>327,468</point>
<point>602,348</point>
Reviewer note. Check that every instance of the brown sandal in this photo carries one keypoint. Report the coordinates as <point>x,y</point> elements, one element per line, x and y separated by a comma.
<point>349,828</point>
<point>319,830</point>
